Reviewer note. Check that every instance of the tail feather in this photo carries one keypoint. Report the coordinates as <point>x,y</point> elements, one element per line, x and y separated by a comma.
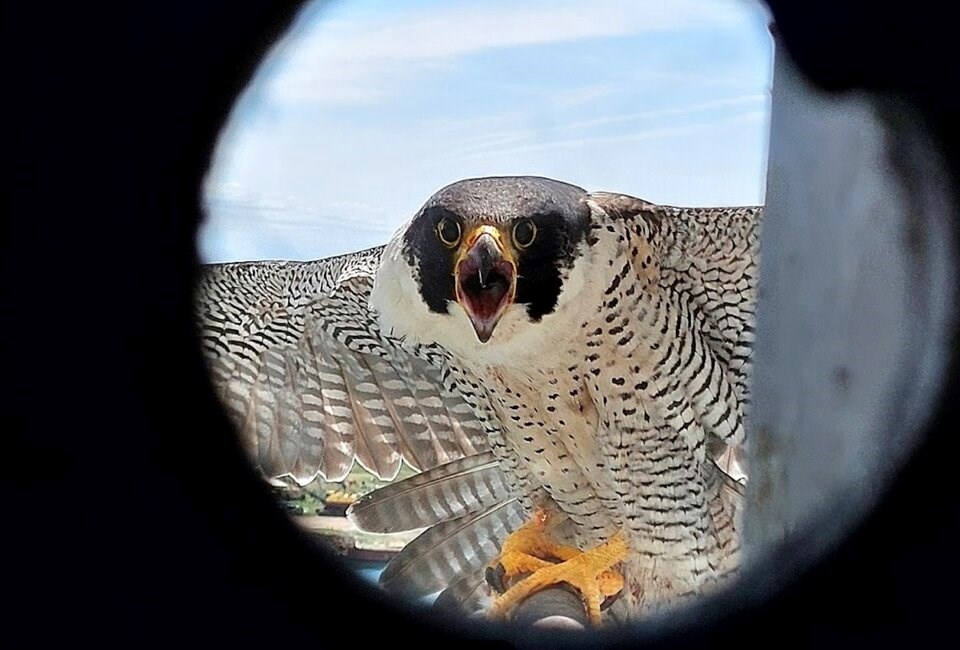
<point>451,549</point>
<point>443,493</point>
<point>467,595</point>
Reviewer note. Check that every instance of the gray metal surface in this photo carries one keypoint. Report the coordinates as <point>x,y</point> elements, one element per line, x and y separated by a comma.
<point>854,306</point>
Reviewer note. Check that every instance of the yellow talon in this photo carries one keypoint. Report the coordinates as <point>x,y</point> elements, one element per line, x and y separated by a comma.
<point>529,551</point>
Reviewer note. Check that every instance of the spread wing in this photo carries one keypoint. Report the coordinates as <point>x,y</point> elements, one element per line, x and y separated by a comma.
<point>707,259</point>
<point>312,384</point>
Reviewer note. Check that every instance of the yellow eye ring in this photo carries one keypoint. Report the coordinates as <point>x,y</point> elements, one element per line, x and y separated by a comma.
<point>448,232</point>
<point>524,232</point>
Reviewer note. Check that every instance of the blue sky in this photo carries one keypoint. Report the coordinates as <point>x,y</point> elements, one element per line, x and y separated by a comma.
<point>368,107</point>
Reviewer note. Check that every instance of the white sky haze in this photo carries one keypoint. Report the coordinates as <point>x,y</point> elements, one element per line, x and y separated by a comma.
<point>368,107</point>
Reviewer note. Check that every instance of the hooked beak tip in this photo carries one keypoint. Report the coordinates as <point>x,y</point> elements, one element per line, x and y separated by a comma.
<point>483,335</point>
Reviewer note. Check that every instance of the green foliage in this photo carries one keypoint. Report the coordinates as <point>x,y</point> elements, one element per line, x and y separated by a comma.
<point>320,496</point>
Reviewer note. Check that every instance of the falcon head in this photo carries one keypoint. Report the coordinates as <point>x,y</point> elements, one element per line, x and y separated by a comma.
<point>483,262</point>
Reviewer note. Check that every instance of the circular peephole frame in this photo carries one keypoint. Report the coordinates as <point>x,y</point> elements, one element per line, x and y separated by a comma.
<point>194,544</point>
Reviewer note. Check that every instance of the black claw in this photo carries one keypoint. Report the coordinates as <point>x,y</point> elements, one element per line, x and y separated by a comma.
<point>494,576</point>
<point>609,600</point>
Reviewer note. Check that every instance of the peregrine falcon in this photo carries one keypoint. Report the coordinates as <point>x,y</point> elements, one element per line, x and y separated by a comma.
<point>567,368</point>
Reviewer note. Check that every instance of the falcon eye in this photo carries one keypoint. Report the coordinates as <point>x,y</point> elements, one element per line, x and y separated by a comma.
<point>448,231</point>
<point>524,233</point>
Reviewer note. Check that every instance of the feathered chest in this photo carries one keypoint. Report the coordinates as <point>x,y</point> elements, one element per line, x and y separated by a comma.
<point>556,417</point>
<point>631,384</point>
<point>550,424</point>
<point>608,355</point>
<point>546,415</point>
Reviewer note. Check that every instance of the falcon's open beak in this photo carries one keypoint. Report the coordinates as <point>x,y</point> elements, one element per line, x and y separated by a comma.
<point>486,279</point>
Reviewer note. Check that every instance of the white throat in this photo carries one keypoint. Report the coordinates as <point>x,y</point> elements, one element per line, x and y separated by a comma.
<point>516,341</point>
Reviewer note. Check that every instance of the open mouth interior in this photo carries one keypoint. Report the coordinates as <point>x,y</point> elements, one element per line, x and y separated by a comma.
<point>485,296</point>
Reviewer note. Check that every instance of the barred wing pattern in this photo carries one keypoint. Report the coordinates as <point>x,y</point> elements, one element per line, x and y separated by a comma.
<point>300,363</point>
<point>707,260</point>
<point>312,384</point>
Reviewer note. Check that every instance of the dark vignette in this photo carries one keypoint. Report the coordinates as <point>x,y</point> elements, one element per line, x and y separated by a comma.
<point>130,515</point>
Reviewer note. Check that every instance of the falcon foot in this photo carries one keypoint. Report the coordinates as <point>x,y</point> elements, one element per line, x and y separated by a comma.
<point>529,551</point>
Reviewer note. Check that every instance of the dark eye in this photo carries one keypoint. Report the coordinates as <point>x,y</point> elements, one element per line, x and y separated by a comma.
<point>524,232</point>
<point>448,231</point>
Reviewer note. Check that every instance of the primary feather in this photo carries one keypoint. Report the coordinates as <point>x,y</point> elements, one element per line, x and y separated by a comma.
<point>442,553</point>
<point>310,381</point>
<point>458,488</point>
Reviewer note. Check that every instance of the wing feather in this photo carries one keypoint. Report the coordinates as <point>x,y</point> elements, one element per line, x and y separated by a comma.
<point>299,361</point>
<point>467,595</point>
<point>452,490</point>
<point>706,260</point>
<point>450,549</point>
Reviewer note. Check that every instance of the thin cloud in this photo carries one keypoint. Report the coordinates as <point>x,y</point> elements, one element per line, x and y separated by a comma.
<point>248,208</point>
<point>496,141</point>
<point>354,62</point>
<point>647,134</point>
<point>634,136</point>
<point>678,111</point>
<point>296,176</point>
